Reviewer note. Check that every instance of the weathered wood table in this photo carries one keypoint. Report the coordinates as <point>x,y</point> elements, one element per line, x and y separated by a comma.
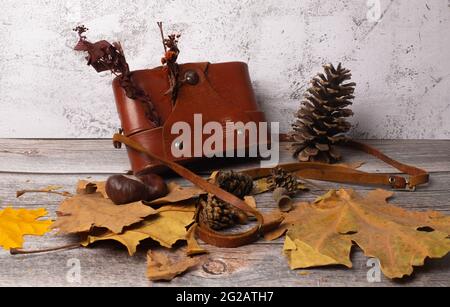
<point>32,164</point>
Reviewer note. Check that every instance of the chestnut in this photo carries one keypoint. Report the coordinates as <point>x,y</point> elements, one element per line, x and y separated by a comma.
<point>124,189</point>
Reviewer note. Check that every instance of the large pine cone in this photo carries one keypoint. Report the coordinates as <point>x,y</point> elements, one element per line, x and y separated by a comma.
<point>219,215</point>
<point>238,184</point>
<point>321,120</point>
<point>282,179</point>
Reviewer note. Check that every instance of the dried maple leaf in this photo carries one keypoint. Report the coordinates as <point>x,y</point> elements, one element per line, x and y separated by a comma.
<point>92,187</point>
<point>400,239</point>
<point>83,212</point>
<point>178,194</point>
<point>167,228</point>
<point>193,248</point>
<point>161,268</point>
<point>289,219</point>
<point>16,223</point>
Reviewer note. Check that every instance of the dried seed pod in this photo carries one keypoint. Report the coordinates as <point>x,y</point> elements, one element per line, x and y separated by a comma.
<point>122,189</point>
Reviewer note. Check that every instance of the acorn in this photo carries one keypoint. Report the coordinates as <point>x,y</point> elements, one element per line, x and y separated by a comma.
<point>124,189</point>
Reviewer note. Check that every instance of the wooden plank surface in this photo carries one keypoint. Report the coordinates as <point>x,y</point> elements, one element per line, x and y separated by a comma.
<point>31,164</point>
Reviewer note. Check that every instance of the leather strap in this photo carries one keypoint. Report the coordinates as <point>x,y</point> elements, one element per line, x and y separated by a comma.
<point>416,177</point>
<point>317,171</point>
<point>205,233</point>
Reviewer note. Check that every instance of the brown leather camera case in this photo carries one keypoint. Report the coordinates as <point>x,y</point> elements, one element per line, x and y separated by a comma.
<point>222,94</point>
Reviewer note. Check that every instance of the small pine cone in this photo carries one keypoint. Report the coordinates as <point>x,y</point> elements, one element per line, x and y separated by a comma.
<point>240,185</point>
<point>282,179</point>
<point>217,214</point>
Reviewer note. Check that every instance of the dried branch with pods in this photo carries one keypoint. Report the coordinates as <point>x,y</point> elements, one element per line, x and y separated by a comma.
<point>104,56</point>
<point>171,53</point>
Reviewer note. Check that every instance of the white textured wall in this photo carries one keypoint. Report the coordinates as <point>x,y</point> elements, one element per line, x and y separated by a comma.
<point>401,64</point>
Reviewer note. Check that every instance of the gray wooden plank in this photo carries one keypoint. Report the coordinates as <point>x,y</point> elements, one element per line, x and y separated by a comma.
<point>264,265</point>
<point>99,157</point>
<point>435,196</point>
<point>108,264</point>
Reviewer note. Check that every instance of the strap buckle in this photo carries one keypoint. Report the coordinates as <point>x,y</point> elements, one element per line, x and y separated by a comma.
<point>118,145</point>
<point>408,186</point>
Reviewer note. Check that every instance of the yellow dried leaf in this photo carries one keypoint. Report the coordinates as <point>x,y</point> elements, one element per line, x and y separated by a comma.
<point>16,223</point>
<point>167,228</point>
<point>213,176</point>
<point>289,219</point>
<point>193,248</point>
<point>161,268</point>
<point>302,255</point>
<point>400,239</point>
<point>83,212</point>
<point>177,194</point>
<point>251,201</point>
<point>263,185</point>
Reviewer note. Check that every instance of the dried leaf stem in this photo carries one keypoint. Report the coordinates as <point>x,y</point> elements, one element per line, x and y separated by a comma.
<point>23,192</point>
<point>16,251</point>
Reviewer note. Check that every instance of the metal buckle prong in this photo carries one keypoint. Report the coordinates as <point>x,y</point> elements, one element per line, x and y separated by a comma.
<point>408,187</point>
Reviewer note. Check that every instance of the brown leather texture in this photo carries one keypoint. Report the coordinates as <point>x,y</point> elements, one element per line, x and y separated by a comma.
<point>223,94</point>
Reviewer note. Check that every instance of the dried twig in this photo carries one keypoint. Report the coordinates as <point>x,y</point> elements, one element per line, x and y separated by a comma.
<point>23,192</point>
<point>15,251</point>
<point>103,56</point>
<point>160,25</point>
<point>170,59</point>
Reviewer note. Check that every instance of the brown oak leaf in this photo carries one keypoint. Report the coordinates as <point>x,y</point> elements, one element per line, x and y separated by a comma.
<point>83,212</point>
<point>161,268</point>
